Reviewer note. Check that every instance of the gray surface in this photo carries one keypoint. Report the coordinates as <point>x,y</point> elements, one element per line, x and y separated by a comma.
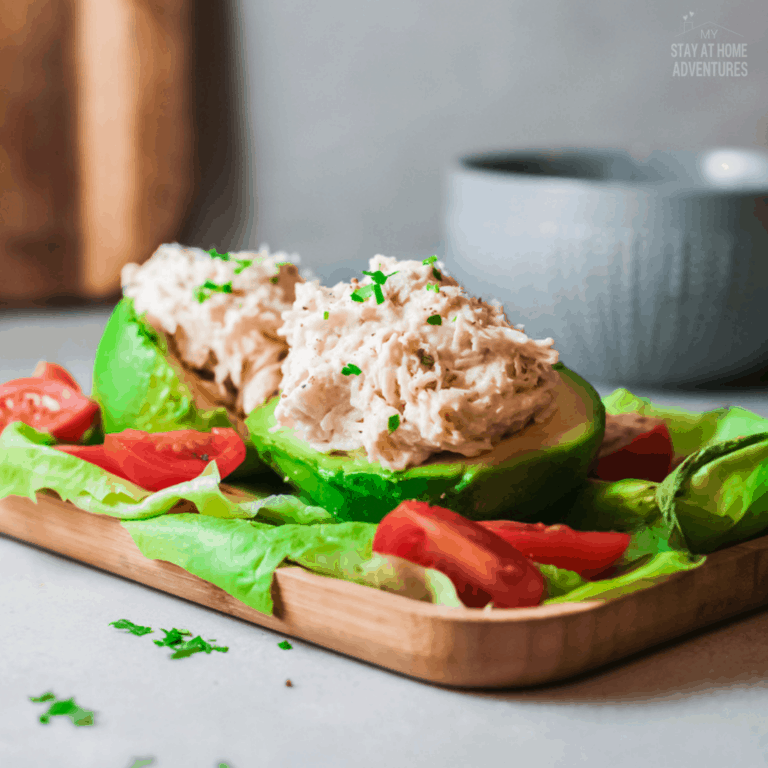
<point>699,702</point>
<point>345,114</point>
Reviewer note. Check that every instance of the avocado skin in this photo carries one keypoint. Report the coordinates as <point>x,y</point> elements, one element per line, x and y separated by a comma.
<point>137,388</point>
<point>351,488</point>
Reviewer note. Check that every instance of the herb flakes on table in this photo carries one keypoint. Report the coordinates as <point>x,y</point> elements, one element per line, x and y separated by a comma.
<point>176,640</point>
<point>134,629</point>
<point>64,707</point>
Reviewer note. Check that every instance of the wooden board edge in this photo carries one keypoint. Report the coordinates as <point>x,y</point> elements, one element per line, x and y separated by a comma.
<point>465,648</point>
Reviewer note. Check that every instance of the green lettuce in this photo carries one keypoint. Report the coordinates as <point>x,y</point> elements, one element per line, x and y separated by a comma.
<point>241,556</point>
<point>719,495</point>
<point>643,572</point>
<point>31,464</point>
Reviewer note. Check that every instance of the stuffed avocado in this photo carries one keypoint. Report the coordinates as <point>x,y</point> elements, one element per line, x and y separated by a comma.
<point>520,478</point>
<point>403,387</point>
<point>193,343</point>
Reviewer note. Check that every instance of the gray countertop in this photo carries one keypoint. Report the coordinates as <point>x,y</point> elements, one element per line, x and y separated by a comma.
<point>697,701</point>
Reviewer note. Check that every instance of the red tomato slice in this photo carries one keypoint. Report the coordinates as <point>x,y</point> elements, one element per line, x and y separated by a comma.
<point>94,454</point>
<point>48,406</point>
<point>54,372</point>
<point>482,566</point>
<point>586,552</point>
<point>635,447</point>
<point>157,460</point>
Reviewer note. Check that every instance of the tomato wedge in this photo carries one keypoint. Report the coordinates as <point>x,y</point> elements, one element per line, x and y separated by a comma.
<point>54,372</point>
<point>482,566</point>
<point>586,552</point>
<point>49,406</point>
<point>94,454</point>
<point>157,460</point>
<point>635,446</point>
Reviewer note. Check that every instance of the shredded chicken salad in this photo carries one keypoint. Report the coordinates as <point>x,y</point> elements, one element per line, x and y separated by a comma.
<point>222,312</point>
<point>405,365</point>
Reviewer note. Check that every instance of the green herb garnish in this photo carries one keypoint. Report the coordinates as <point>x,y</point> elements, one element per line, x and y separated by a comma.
<point>427,360</point>
<point>326,315</point>
<point>67,707</point>
<point>393,423</point>
<point>274,280</point>
<point>379,278</point>
<point>361,294</point>
<point>134,629</point>
<point>242,264</point>
<point>351,368</point>
<point>435,320</point>
<point>208,288</point>
<point>285,645</point>
<point>435,271</point>
<point>433,287</point>
<point>214,255</point>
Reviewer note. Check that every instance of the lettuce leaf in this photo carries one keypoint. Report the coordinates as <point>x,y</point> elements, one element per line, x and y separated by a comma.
<point>241,556</point>
<point>643,572</point>
<point>559,581</point>
<point>385,572</point>
<point>719,495</point>
<point>30,464</point>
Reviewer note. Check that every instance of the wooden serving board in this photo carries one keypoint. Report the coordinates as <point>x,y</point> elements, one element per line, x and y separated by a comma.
<point>460,647</point>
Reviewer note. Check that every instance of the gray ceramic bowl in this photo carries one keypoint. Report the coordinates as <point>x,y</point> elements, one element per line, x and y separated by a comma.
<point>652,273</point>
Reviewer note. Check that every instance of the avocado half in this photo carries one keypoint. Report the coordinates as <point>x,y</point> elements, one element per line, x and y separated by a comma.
<point>519,479</point>
<point>140,384</point>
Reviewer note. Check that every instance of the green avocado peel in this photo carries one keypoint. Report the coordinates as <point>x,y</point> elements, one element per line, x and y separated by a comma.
<point>137,387</point>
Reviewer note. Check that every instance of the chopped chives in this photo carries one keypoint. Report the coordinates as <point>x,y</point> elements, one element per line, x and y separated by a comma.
<point>208,288</point>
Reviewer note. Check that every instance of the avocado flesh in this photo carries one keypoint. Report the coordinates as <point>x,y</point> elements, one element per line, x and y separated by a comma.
<point>519,479</point>
<point>140,384</point>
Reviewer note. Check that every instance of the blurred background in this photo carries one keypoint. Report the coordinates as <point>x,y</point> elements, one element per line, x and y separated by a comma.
<point>324,129</point>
